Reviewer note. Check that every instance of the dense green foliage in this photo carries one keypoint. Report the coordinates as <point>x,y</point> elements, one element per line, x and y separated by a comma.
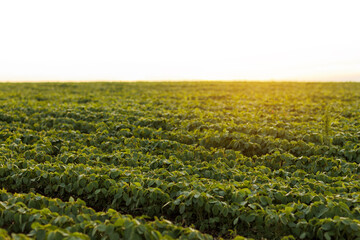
<point>180,160</point>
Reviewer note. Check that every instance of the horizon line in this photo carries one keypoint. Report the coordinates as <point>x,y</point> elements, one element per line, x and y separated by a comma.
<point>171,80</point>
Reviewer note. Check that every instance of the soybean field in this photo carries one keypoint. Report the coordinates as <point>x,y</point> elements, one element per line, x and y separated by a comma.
<point>180,160</point>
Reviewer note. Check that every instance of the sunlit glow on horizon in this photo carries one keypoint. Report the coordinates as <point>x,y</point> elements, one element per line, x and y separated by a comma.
<point>179,40</point>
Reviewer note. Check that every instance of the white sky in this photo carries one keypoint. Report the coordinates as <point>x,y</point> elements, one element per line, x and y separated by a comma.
<point>178,40</point>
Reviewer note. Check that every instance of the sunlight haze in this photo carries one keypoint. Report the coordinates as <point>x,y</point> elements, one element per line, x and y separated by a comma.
<point>179,40</point>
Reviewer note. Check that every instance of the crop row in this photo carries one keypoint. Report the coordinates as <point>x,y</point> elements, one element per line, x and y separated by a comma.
<point>182,198</point>
<point>45,218</point>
